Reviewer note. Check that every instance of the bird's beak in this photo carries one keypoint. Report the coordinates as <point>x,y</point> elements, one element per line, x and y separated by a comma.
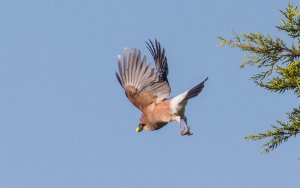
<point>139,128</point>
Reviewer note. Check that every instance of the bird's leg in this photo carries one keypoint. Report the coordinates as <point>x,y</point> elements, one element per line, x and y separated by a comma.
<point>186,130</point>
<point>179,120</point>
<point>180,129</point>
<point>180,125</point>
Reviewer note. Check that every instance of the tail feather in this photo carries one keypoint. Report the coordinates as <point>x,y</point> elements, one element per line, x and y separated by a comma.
<point>195,90</point>
<point>178,103</point>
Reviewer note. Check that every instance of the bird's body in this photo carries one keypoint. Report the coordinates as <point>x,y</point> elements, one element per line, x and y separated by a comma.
<point>147,89</point>
<point>157,115</point>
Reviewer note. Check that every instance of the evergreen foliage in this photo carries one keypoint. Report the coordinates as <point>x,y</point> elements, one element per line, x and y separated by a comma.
<point>278,64</point>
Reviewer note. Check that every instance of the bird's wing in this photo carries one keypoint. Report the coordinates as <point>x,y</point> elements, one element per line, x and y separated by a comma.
<point>142,84</point>
<point>160,59</point>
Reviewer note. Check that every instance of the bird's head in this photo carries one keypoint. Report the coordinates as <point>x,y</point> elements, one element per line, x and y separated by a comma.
<point>140,127</point>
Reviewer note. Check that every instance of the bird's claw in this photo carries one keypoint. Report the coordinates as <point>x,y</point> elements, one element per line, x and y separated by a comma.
<point>185,131</point>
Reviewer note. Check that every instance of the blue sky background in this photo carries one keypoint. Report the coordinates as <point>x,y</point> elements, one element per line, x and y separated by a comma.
<point>65,121</point>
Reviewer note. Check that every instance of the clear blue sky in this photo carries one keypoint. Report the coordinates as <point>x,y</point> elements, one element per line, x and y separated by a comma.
<point>65,121</point>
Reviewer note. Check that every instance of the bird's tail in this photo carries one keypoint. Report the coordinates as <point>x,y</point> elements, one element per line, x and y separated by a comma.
<point>195,90</point>
<point>180,100</point>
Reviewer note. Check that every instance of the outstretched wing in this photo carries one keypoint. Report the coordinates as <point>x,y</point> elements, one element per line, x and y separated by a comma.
<point>142,84</point>
<point>160,59</point>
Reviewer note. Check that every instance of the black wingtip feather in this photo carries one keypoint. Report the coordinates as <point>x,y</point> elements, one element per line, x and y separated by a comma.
<point>160,59</point>
<point>119,80</point>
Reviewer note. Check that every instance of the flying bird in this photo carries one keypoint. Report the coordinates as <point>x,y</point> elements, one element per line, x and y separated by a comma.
<point>148,89</point>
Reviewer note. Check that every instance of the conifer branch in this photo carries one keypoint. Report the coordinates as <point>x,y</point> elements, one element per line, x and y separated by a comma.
<point>280,132</point>
<point>278,67</point>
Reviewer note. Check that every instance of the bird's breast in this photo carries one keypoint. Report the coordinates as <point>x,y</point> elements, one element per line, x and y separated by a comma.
<point>158,115</point>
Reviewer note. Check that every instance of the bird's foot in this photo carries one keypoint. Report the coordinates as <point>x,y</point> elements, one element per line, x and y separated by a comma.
<point>185,131</point>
